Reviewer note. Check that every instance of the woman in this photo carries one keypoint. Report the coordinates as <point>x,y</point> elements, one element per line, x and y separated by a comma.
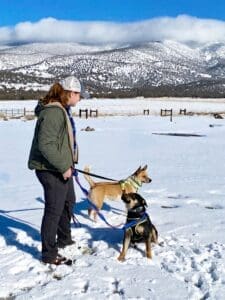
<point>53,154</point>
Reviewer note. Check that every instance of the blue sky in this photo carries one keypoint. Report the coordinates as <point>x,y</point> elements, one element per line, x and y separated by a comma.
<point>15,11</point>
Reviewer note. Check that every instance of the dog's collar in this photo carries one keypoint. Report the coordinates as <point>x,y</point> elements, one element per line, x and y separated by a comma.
<point>136,184</point>
<point>136,212</point>
<point>135,235</point>
<point>133,227</point>
<point>137,209</point>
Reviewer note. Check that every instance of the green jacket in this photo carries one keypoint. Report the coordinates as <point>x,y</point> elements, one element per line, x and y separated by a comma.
<point>52,146</point>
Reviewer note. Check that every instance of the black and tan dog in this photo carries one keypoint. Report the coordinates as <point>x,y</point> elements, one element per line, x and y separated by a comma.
<point>143,230</point>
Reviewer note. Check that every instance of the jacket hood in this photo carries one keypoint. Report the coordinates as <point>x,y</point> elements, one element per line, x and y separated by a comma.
<point>39,107</point>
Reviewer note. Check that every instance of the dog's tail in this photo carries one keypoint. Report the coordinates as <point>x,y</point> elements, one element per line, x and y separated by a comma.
<point>88,178</point>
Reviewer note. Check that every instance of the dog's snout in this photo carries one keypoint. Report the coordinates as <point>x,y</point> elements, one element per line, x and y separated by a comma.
<point>148,180</point>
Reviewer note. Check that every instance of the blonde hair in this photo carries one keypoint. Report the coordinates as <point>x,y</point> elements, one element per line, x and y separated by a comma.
<point>56,93</point>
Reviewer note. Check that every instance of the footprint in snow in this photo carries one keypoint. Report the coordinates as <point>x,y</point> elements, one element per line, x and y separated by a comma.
<point>199,266</point>
<point>80,286</point>
<point>23,265</point>
<point>114,286</point>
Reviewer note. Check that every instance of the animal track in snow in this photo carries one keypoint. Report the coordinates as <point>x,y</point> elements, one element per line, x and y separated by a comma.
<point>114,286</point>
<point>199,266</point>
<point>80,286</point>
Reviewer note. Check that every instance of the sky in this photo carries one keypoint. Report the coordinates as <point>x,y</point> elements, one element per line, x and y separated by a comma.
<point>14,11</point>
<point>116,21</point>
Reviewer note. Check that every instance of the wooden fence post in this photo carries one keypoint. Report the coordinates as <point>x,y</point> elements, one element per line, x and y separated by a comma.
<point>95,111</point>
<point>85,111</point>
<point>183,111</point>
<point>167,112</point>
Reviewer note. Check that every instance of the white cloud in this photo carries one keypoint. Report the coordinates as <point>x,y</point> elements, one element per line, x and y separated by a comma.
<point>182,29</point>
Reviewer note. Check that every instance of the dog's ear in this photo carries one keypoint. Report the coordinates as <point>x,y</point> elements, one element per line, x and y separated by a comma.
<point>137,171</point>
<point>144,202</point>
<point>124,196</point>
<point>141,200</point>
<point>144,168</point>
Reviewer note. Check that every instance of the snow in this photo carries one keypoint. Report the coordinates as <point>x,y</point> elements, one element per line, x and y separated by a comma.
<point>34,53</point>
<point>28,86</point>
<point>123,64</point>
<point>134,106</point>
<point>185,201</point>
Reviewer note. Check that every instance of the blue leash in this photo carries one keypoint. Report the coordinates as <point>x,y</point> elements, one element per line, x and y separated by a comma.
<point>89,202</point>
<point>125,226</point>
<point>75,174</point>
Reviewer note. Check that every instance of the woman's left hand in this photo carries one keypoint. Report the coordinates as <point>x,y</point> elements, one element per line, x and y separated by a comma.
<point>68,174</point>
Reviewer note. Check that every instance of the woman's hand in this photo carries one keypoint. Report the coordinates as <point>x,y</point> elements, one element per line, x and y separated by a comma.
<point>67,174</point>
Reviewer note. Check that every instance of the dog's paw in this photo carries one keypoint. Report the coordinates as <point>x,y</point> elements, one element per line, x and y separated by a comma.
<point>149,255</point>
<point>121,258</point>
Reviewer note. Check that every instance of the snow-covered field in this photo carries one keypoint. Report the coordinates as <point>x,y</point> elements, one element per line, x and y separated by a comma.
<point>135,106</point>
<point>186,202</point>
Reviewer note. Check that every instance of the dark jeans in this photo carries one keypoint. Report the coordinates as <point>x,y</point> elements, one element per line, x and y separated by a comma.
<point>59,201</point>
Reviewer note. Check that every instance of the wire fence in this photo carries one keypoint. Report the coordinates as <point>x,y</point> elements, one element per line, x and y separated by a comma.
<point>88,113</point>
<point>18,112</point>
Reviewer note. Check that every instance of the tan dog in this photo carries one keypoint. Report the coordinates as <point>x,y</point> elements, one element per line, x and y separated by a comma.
<point>113,190</point>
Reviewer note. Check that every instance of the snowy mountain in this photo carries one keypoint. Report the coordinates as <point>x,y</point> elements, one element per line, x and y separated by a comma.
<point>153,69</point>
